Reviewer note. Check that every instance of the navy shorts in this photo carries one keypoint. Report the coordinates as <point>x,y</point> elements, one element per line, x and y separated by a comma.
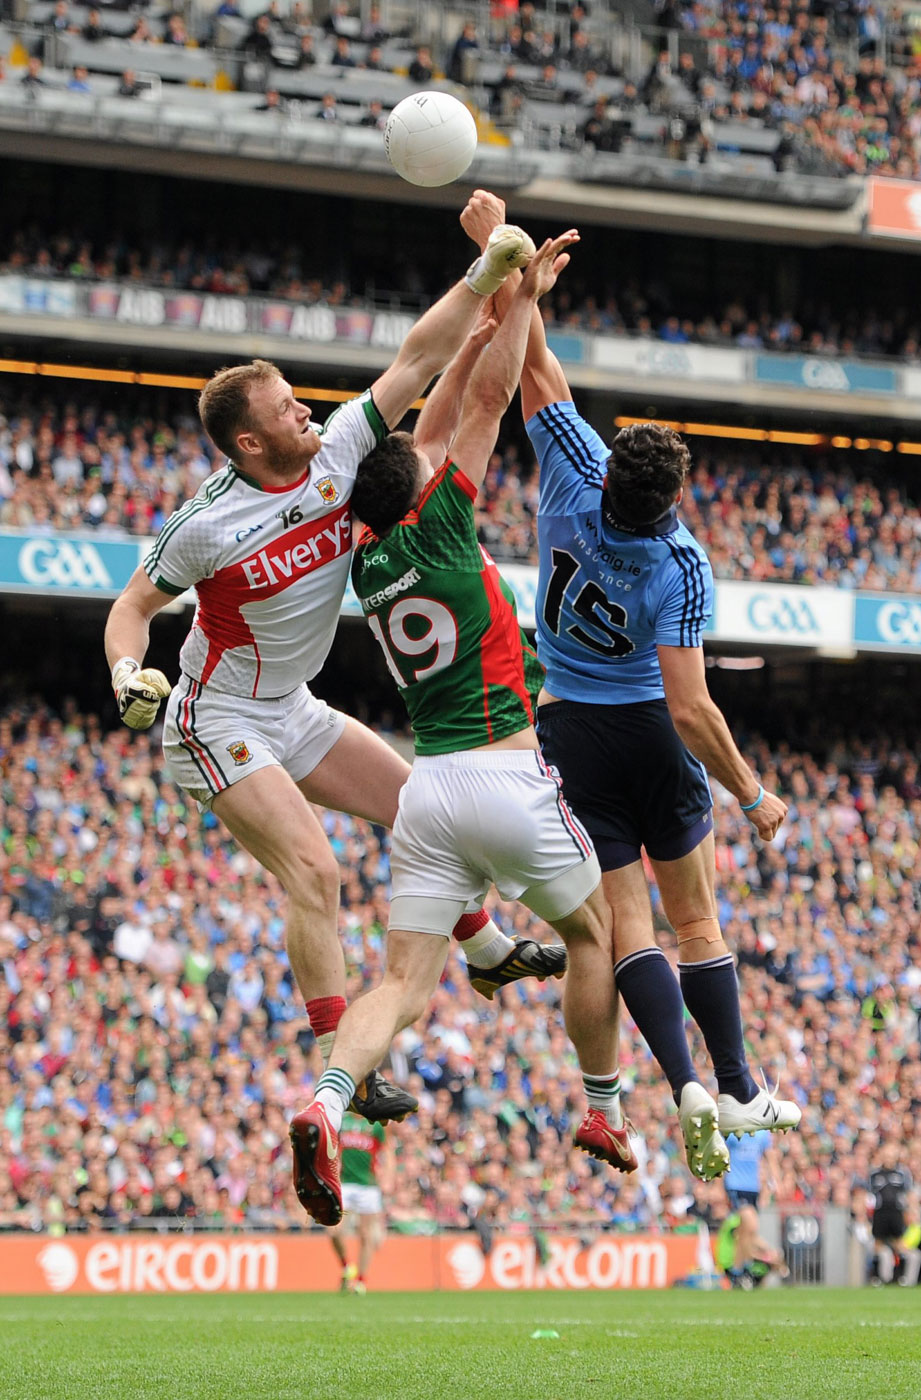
<point>628,778</point>
<point>742,1198</point>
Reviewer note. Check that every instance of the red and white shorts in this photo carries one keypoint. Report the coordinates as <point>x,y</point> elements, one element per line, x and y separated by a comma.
<point>212,739</point>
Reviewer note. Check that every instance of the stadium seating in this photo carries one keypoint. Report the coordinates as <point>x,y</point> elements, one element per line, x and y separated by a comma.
<point>604,296</point>
<point>814,97</point>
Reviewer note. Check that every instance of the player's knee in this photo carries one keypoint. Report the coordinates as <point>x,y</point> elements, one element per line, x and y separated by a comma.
<point>632,932</point>
<point>588,927</point>
<point>414,994</point>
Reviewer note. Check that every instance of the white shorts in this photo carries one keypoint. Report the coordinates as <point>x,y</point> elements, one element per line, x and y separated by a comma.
<point>362,1200</point>
<point>212,739</point>
<point>470,820</point>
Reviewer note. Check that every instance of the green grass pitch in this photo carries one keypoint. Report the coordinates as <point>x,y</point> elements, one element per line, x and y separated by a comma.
<point>794,1344</point>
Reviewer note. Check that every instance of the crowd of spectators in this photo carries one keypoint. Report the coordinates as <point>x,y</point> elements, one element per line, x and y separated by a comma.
<point>656,310</point>
<point>266,266</point>
<point>153,1044</point>
<point>838,84</point>
<point>786,524</point>
<point>653,306</point>
<point>763,518</point>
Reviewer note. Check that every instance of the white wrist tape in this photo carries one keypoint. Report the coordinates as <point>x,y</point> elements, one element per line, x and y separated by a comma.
<point>508,247</point>
<point>122,670</point>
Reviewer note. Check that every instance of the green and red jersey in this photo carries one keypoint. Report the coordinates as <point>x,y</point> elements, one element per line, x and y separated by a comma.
<point>360,1144</point>
<point>447,622</point>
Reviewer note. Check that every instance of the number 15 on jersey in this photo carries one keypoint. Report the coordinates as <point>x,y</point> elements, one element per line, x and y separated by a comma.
<point>590,603</point>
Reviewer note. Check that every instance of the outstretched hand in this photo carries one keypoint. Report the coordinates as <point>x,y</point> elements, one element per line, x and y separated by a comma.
<point>482,213</point>
<point>547,264</point>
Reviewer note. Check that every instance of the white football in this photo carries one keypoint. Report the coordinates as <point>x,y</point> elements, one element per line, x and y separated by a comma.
<point>430,138</point>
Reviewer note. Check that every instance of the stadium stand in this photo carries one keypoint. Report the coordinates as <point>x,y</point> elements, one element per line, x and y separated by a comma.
<point>616,294</point>
<point>805,88</point>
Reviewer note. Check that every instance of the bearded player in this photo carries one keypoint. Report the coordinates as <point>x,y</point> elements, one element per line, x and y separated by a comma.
<point>481,805</point>
<point>267,544</point>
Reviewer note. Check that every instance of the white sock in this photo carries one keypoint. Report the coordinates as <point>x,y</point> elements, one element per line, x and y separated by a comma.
<point>325,1042</point>
<point>335,1089</point>
<point>488,946</point>
<point>603,1091</point>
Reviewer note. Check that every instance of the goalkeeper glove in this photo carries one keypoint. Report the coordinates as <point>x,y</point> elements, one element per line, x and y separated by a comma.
<point>507,247</point>
<point>138,693</point>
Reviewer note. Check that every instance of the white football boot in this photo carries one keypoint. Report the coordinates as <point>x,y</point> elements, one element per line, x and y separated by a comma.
<point>765,1112</point>
<point>708,1155</point>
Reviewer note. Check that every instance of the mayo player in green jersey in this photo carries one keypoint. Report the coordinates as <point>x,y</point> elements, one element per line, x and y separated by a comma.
<point>360,1145</point>
<point>481,806</point>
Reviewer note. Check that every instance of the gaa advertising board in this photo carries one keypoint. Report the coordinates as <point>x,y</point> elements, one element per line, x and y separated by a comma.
<point>777,614</point>
<point>811,372</point>
<point>887,622</point>
<point>79,566</point>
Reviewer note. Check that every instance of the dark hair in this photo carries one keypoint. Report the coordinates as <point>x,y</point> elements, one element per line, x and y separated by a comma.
<point>223,404</point>
<point>646,470</point>
<point>387,483</point>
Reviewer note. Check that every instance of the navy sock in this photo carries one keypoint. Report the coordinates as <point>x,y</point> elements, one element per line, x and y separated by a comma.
<point>711,994</point>
<point>652,996</point>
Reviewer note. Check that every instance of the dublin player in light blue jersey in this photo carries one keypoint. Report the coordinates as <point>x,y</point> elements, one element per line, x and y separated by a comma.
<point>624,592</point>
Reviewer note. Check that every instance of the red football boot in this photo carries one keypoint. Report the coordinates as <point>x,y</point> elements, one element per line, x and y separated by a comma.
<point>596,1137</point>
<point>315,1144</point>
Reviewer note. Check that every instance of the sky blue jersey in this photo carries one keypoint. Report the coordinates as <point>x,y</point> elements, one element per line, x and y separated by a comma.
<point>745,1155</point>
<point>606,596</point>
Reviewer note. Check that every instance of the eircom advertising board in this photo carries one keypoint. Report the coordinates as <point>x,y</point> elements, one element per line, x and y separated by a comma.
<point>177,1263</point>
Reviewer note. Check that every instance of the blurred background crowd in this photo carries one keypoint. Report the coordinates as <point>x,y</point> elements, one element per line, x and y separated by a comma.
<point>153,1044</point>
<point>762,512</point>
<point>836,84</point>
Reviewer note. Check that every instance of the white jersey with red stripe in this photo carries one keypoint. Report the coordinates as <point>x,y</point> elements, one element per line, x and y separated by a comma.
<point>270,565</point>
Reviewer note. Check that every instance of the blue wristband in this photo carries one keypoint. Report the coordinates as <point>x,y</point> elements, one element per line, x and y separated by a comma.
<point>757,802</point>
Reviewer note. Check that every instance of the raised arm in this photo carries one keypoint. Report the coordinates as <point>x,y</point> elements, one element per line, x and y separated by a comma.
<point>433,341</point>
<point>438,335</point>
<point>436,425</point>
<point>542,378</point>
<point>498,369</point>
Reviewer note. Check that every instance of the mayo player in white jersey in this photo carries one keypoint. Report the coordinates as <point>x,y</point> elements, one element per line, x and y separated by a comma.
<point>266,542</point>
